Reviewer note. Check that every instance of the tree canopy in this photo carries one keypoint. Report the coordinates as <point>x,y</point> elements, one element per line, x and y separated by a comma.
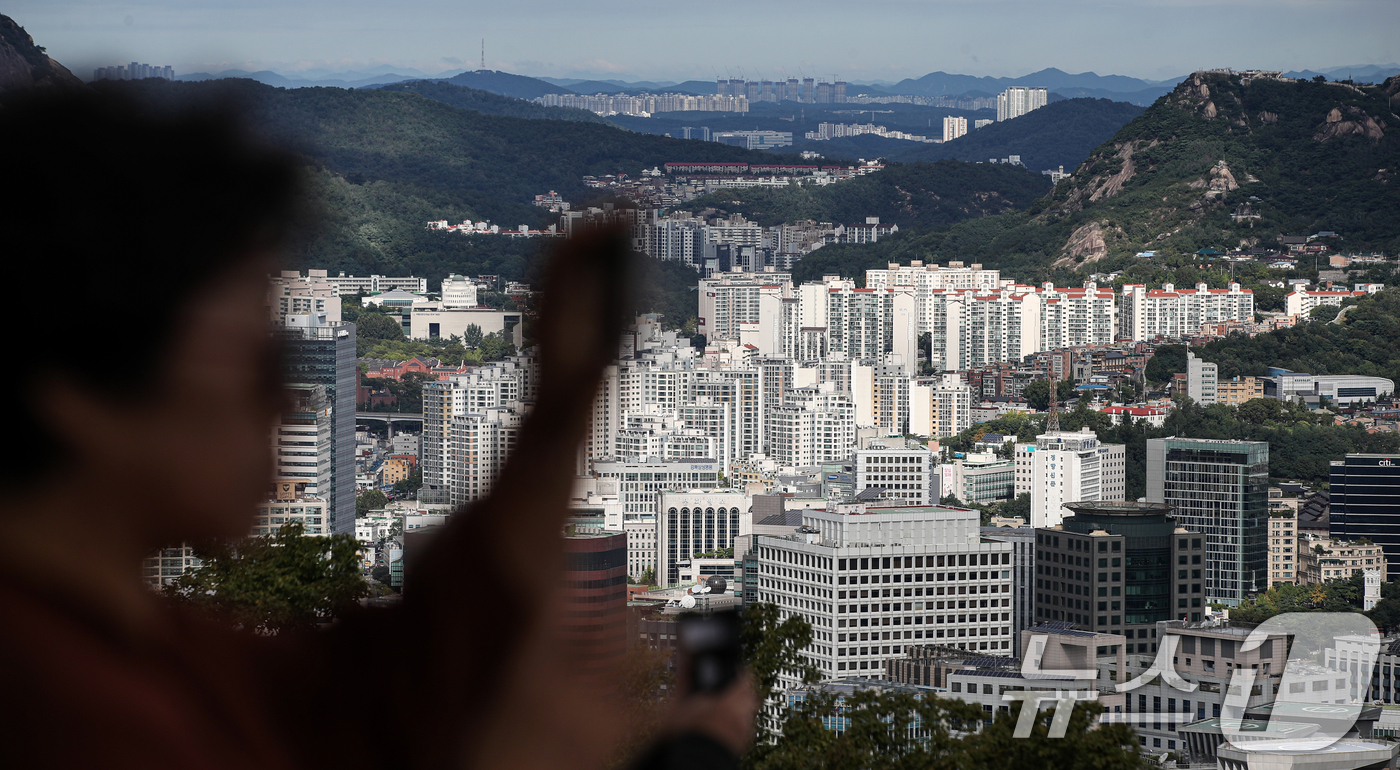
<point>273,583</point>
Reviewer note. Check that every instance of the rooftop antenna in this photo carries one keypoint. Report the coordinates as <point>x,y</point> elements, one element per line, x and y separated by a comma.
<point>1052,425</point>
<point>483,53</point>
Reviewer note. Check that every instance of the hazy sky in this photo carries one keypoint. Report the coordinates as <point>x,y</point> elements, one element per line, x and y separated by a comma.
<point>857,40</point>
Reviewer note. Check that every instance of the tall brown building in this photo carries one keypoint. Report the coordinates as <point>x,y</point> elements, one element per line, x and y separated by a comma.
<point>595,594</point>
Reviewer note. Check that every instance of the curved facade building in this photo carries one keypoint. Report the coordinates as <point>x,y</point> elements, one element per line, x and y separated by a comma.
<point>1119,567</point>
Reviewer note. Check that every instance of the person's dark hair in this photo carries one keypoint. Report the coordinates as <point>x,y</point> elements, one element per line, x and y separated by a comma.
<point>119,210</point>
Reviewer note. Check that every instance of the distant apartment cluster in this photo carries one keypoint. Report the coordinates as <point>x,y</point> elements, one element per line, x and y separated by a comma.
<point>645,105</point>
<point>827,131</point>
<point>805,90</point>
<point>134,71</point>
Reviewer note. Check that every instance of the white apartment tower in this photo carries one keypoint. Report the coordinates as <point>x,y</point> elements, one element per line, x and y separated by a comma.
<point>1202,380</point>
<point>1065,467</point>
<point>953,128</point>
<point>1019,100</point>
<point>816,425</point>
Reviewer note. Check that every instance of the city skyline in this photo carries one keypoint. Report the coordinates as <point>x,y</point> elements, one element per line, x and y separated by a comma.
<point>433,36</point>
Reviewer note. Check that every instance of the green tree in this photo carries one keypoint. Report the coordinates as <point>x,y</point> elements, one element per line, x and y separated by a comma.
<point>378,326</point>
<point>369,500</point>
<point>273,583</point>
<point>471,336</point>
<point>380,574</point>
<point>1020,506</point>
<point>1037,395</point>
<point>1166,360</point>
<point>951,499</point>
<point>649,576</point>
<point>410,485</point>
<point>773,646</point>
<point>494,347</point>
<point>1324,313</point>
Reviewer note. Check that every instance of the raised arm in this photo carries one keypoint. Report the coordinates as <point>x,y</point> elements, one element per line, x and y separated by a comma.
<point>481,607</point>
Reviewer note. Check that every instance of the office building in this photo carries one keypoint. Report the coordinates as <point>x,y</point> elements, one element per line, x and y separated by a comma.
<point>595,595</point>
<point>980,477</point>
<point>1220,489</point>
<point>1209,654</point>
<point>754,140</point>
<point>1022,540</point>
<point>873,581</point>
<point>1019,100</point>
<point>1202,380</point>
<point>641,480</point>
<point>1365,496</point>
<point>1338,389</point>
<point>953,127</point>
<point>1119,567</point>
<point>696,522</point>
<point>319,352</point>
<point>904,476</point>
<point>1068,467</point>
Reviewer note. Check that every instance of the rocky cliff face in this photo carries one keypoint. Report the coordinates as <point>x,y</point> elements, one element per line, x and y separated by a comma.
<point>1312,152</point>
<point>23,64</point>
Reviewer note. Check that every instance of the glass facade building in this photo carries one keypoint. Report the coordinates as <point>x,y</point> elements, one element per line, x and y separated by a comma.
<point>325,355</point>
<point>1365,498</point>
<point>1221,490</point>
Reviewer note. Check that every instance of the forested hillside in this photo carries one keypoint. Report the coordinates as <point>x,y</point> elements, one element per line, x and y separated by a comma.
<point>383,163</point>
<point>1058,134</point>
<point>465,98</point>
<point>1366,341</point>
<point>913,195</point>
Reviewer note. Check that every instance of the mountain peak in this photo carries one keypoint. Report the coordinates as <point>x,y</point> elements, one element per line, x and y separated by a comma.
<point>23,64</point>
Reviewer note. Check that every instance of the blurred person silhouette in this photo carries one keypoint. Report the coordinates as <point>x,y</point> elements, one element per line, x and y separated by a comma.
<point>140,414</point>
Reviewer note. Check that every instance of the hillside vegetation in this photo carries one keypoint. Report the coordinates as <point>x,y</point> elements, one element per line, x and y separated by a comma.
<point>1060,134</point>
<point>914,195</point>
<point>476,100</point>
<point>385,162</point>
<point>1366,341</point>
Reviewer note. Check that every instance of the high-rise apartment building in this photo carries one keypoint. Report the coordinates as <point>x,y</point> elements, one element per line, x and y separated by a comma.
<point>730,299</point>
<point>1220,489</point>
<point>1064,467</point>
<point>872,581</point>
<point>954,127</point>
<point>1202,380</point>
<point>1019,100</point>
<point>486,404</point>
<point>816,425</point>
<point>1146,314</point>
<point>1365,499</point>
<point>939,408</point>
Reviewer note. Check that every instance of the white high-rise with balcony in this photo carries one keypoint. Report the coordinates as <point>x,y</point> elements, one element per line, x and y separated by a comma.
<point>1019,100</point>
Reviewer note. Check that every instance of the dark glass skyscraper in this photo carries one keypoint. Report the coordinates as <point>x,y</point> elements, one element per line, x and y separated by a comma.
<point>1365,499</point>
<point>325,355</point>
